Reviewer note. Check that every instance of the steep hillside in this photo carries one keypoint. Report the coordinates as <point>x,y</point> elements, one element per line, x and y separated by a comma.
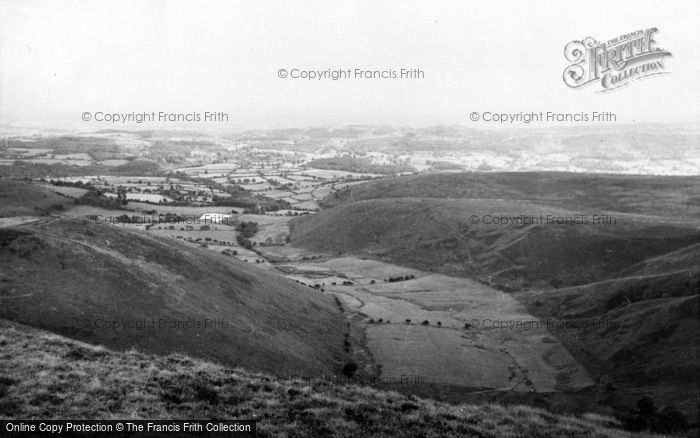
<point>629,286</point>
<point>100,284</point>
<point>440,235</point>
<point>48,376</point>
<point>638,334</point>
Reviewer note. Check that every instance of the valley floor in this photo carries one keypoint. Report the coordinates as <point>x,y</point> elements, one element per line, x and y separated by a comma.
<point>437,329</point>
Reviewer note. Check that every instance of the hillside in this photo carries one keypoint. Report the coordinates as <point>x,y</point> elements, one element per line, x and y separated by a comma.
<point>438,235</point>
<point>74,379</point>
<point>665,196</point>
<point>637,276</point>
<point>101,284</point>
<point>137,168</point>
<point>18,198</point>
<point>449,223</point>
<point>637,333</point>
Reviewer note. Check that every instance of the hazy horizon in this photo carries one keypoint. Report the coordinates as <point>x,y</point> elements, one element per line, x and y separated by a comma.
<point>62,59</point>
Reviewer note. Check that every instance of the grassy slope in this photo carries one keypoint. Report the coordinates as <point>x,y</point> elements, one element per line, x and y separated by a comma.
<point>424,221</point>
<point>656,195</point>
<point>68,277</point>
<point>435,234</point>
<point>649,343</point>
<point>640,275</point>
<point>23,199</point>
<point>49,376</point>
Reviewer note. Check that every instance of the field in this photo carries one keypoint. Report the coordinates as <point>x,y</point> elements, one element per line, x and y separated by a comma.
<point>477,358</point>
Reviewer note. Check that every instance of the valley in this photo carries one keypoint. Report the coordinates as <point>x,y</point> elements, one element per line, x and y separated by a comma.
<point>432,284</point>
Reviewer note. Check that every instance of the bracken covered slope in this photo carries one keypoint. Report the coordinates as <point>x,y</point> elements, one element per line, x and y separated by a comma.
<point>51,377</point>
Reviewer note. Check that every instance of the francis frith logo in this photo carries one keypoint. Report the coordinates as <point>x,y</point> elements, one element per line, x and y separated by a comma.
<point>615,63</point>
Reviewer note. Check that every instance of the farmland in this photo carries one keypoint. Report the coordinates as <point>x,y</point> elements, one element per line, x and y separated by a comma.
<point>416,327</point>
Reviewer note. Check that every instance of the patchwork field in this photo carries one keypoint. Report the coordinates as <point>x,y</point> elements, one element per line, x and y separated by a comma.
<point>416,328</point>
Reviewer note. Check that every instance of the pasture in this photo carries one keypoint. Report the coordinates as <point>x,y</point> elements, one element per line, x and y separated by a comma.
<point>445,330</point>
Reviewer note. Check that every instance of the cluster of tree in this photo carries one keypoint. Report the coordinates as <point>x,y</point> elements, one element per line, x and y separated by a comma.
<point>31,170</point>
<point>247,229</point>
<point>400,278</point>
<point>61,183</point>
<point>256,205</point>
<point>311,258</point>
<point>244,242</point>
<point>95,198</point>
<point>121,195</point>
<point>137,168</point>
<point>278,240</point>
<point>380,321</point>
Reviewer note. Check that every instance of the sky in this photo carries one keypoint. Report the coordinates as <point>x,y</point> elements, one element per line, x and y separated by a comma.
<point>61,59</point>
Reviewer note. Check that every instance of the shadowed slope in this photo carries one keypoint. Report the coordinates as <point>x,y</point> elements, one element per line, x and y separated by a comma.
<point>101,284</point>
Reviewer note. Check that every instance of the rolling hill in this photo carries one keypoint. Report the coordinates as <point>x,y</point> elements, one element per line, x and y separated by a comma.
<point>103,285</point>
<point>73,379</point>
<point>636,276</point>
<point>438,235</point>
<point>19,198</point>
<point>665,196</point>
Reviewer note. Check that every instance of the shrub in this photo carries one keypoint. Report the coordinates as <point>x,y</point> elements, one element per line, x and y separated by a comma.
<point>349,369</point>
<point>646,416</point>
